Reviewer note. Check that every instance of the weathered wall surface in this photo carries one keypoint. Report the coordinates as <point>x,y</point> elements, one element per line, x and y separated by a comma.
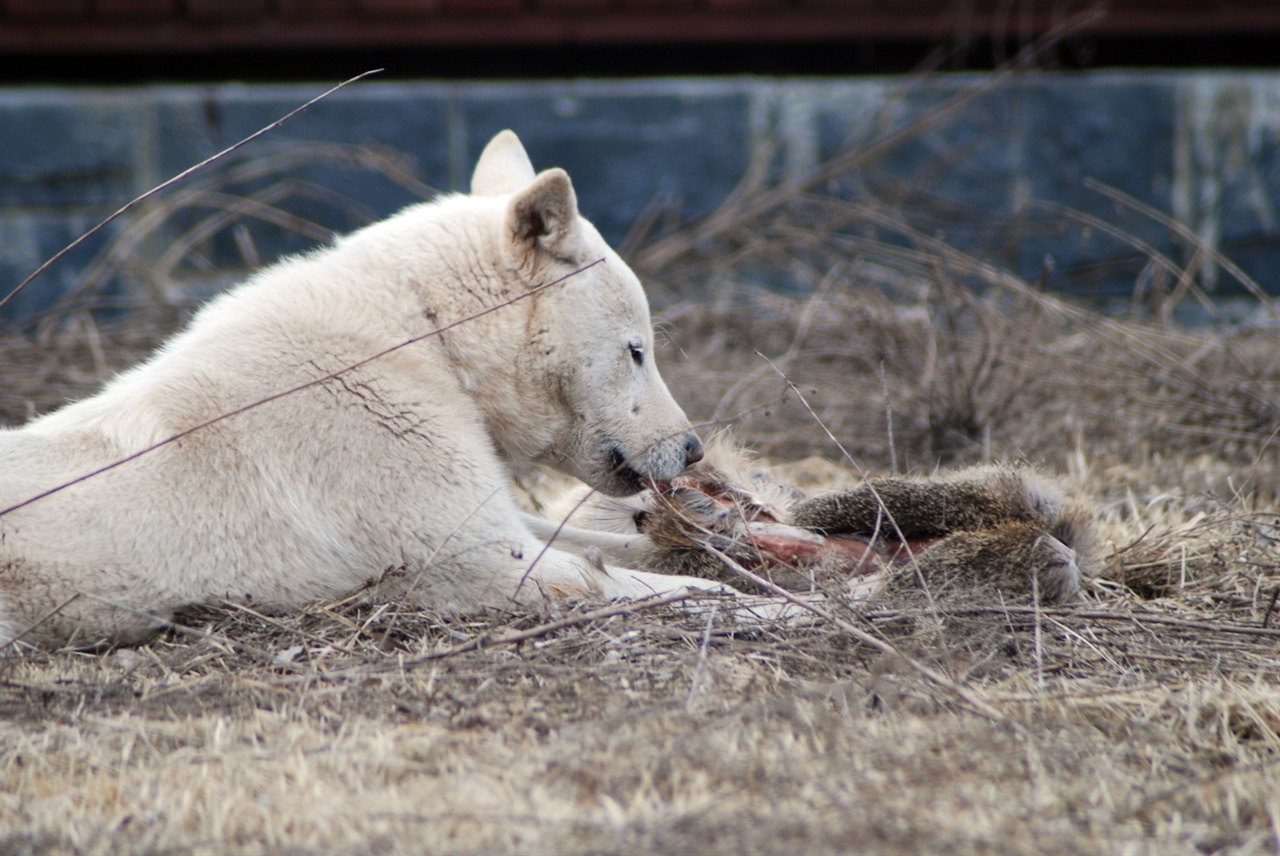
<point>1021,169</point>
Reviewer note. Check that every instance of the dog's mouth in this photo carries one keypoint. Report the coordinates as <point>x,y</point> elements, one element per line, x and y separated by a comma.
<point>621,479</point>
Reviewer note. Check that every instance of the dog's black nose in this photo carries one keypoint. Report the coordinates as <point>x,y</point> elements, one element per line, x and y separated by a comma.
<point>693,450</point>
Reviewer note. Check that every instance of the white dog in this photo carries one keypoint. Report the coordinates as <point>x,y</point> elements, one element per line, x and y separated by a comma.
<point>400,463</point>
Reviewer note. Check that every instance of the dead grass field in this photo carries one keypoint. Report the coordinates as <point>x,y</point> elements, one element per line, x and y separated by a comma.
<point>1145,720</point>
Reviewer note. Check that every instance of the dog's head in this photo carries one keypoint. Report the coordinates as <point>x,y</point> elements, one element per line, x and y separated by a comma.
<point>586,363</point>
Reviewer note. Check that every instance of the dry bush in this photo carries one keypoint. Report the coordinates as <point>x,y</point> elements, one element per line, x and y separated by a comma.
<point>1144,719</point>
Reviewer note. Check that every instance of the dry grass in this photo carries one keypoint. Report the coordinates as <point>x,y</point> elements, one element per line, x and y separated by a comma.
<point>1145,720</point>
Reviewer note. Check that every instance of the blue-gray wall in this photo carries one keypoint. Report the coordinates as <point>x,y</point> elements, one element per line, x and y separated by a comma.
<point>990,175</point>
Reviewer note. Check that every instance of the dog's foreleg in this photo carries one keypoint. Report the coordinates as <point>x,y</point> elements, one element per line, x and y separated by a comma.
<point>561,574</point>
<point>630,551</point>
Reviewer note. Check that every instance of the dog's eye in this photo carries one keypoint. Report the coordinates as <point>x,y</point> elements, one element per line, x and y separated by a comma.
<point>637,354</point>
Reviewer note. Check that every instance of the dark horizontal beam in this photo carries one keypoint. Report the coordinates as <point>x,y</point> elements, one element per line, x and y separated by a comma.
<point>54,27</point>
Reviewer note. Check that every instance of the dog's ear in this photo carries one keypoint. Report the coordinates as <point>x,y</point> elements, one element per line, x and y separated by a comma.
<point>544,216</point>
<point>504,167</point>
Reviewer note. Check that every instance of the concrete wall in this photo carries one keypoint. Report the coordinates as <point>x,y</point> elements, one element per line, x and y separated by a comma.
<point>990,175</point>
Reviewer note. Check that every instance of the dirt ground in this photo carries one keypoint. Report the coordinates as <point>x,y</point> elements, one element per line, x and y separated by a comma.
<point>1145,719</point>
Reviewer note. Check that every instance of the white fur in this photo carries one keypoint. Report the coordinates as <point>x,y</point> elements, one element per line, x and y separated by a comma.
<point>398,464</point>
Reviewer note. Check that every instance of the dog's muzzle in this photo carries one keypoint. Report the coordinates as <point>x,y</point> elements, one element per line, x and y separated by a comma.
<point>628,475</point>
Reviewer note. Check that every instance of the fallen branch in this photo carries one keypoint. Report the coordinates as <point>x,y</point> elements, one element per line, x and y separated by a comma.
<point>933,675</point>
<point>622,608</point>
<point>1181,623</point>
